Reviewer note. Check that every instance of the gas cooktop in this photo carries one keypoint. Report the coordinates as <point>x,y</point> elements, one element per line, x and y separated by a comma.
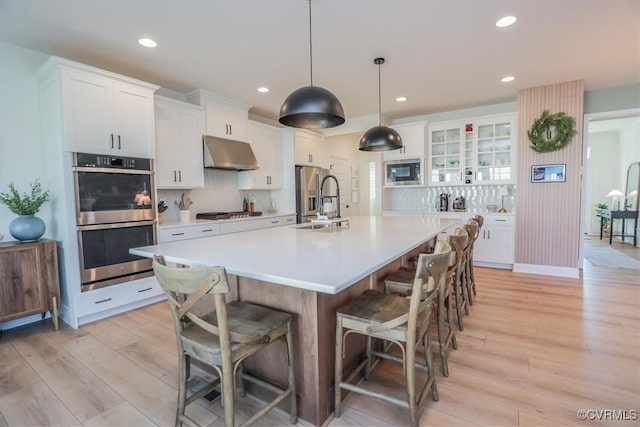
<point>226,215</point>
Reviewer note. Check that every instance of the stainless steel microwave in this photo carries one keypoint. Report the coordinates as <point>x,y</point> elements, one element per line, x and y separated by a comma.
<point>403,172</point>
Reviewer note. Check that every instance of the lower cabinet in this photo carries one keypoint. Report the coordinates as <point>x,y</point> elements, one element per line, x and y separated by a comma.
<point>29,281</point>
<point>496,243</point>
<point>184,232</point>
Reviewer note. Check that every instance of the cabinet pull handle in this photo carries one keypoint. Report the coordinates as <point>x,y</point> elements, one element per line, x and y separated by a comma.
<point>289,219</point>
<point>102,300</point>
<point>144,290</point>
<point>310,158</point>
<point>274,222</point>
<point>484,233</point>
<point>230,129</point>
<point>111,140</point>
<point>175,178</point>
<point>488,234</point>
<point>501,220</point>
<point>208,230</point>
<point>119,144</point>
<point>177,234</point>
<point>180,176</point>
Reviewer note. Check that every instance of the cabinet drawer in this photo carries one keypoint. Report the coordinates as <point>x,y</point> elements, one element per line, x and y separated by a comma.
<point>98,300</point>
<point>278,221</point>
<point>188,232</point>
<point>500,220</point>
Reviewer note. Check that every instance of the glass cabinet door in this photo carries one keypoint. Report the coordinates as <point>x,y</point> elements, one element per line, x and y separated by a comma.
<point>445,155</point>
<point>494,152</point>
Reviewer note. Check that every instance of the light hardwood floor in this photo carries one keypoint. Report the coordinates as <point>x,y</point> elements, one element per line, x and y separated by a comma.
<point>535,350</point>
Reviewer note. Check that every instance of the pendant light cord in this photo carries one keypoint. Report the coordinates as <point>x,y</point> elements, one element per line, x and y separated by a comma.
<point>310,46</point>
<point>379,98</point>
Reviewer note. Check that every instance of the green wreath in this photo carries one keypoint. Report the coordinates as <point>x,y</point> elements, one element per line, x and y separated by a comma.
<point>540,134</point>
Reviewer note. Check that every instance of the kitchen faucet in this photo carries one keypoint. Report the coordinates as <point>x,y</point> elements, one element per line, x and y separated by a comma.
<point>337,196</point>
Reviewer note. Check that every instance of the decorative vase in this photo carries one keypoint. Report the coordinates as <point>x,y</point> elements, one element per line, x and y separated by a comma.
<point>185,215</point>
<point>160,217</point>
<point>27,228</point>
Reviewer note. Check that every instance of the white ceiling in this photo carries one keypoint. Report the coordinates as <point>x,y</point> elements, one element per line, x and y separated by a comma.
<point>441,54</point>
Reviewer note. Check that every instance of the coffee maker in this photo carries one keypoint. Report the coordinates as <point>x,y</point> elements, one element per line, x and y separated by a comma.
<point>443,202</point>
<point>459,204</point>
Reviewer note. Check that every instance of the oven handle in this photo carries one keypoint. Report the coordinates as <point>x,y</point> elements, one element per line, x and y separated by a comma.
<point>108,170</point>
<point>114,225</point>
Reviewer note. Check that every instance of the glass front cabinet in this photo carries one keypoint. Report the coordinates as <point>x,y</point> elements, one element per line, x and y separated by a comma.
<point>472,151</point>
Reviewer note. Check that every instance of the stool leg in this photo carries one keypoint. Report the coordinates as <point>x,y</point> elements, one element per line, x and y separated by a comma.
<point>228,392</point>
<point>183,360</point>
<point>293,416</point>
<point>338,378</point>
<point>241,388</point>
<point>458,300</point>
<point>367,370</point>
<point>451,331</point>
<point>442,338</point>
<point>429,359</point>
<point>410,369</point>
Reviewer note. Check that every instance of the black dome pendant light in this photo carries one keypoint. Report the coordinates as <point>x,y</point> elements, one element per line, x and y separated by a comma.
<point>311,107</point>
<point>380,138</point>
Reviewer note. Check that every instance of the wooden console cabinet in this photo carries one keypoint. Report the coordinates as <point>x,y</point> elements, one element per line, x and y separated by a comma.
<point>29,280</point>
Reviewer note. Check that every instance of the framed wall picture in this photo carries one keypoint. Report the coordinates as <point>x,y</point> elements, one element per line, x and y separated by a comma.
<point>548,173</point>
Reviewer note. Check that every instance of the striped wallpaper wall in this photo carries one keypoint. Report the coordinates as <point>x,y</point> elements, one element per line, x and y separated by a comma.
<point>548,221</point>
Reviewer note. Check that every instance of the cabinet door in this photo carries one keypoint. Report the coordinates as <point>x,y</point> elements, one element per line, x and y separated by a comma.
<point>21,290</point>
<point>88,110</point>
<point>413,140</point>
<point>496,244</point>
<point>225,121</point>
<point>267,146</point>
<point>494,154</point>
<point>134,121</point>
<point>308,148</point>
<point>445,144</point>
<point>179,145</point>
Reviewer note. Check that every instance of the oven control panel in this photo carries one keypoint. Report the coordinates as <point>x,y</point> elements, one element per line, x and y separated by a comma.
<point>101,161</point>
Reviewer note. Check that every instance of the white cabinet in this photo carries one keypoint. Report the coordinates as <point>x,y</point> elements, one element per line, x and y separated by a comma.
<point>105,113</point>
<point>413,140</point>
<point>256,223</point>
<point>496,243</point>
<point>472,151</point>
<point>266,142</point>
<point>179,129</point>
<point>308,148</point>
<point>191,231</point>
<point>225,118</point>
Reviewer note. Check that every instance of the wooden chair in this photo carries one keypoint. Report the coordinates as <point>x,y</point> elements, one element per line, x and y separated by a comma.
<point>473,231</point>
<point>222,339</point>
<point>480,220</point>
<point>400,282</point>
<point>459,242</point>
<point>399,320</point>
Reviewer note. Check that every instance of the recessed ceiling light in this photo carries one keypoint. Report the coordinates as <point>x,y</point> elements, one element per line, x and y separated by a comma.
<point>263,89</point>
<point>507,79</point>
<point>147,43</point>
<point>506,21</point>
<point>401,98</point>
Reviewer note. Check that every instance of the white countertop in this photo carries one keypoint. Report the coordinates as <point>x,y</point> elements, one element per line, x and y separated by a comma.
<point>312,260</point>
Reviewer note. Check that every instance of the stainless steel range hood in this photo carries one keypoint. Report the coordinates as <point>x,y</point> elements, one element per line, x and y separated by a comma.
<point>220,153</point>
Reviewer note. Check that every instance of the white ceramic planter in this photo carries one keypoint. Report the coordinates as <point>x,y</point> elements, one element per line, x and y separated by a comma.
<point>185,216</point>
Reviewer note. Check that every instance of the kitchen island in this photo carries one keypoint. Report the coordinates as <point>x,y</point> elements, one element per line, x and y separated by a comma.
<point>309,273</point>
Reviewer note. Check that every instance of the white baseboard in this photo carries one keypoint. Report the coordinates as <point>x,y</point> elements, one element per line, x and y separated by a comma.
<point>547,270</point>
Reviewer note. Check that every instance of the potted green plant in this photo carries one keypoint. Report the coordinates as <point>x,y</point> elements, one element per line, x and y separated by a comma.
<point>27,227</point>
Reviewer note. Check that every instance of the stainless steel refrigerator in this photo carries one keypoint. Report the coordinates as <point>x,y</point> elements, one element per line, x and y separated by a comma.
<point>308,202</point>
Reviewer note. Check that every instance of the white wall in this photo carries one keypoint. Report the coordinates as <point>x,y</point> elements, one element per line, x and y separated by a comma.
<point>604,166</point>
<point>21,154</point>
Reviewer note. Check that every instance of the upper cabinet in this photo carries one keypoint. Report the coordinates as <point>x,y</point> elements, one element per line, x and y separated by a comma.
<point>473,151</point>
<point>308,148</point>
<point>225,118</point>
<point>179,129</point>
<point>266,142</point>
<point>413,139</point>
<point>103,112</point>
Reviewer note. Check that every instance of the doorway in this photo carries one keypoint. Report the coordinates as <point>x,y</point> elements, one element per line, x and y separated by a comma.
<point>610,144</point>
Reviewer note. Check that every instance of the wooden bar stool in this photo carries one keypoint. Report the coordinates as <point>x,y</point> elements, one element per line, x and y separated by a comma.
<point>480,220</point>
<point>222,339</point>
<point>458,242</point>
<point>400,282</point>
<point>473,230</point>
<point>401,321</point>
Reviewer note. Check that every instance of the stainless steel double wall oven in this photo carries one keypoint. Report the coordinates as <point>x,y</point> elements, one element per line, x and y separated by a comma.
<point>115,211</point>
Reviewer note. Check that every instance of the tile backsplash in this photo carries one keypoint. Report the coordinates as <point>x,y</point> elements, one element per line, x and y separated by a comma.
<point>220,194</point>
<point>477,197</point>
